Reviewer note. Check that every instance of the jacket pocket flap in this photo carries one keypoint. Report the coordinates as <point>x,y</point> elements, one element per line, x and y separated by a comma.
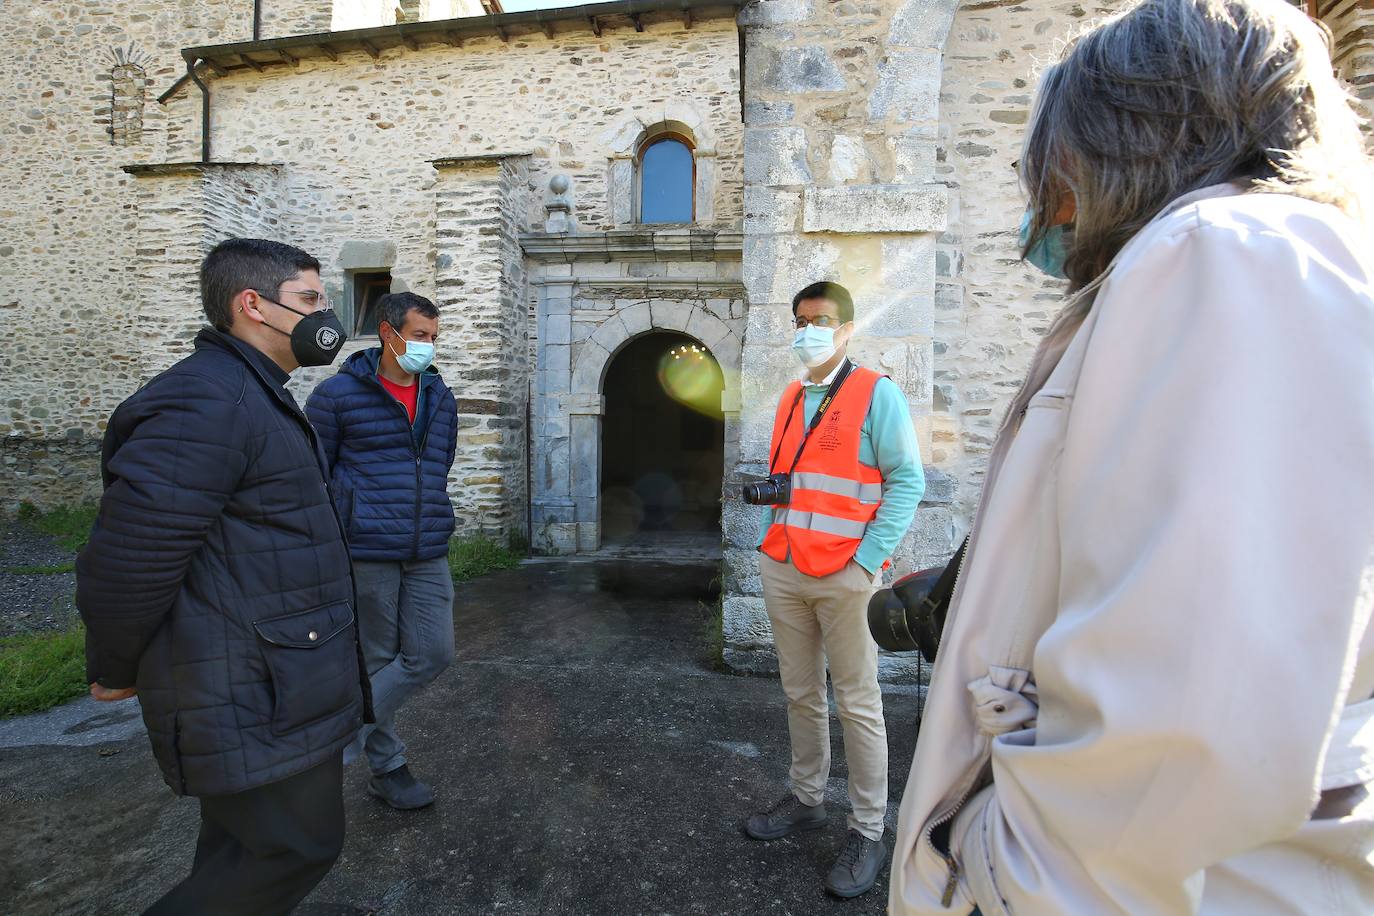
<point>306,629</point>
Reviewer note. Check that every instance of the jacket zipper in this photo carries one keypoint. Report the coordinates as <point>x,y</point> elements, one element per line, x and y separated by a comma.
<point>416,450</point>
<point>952,882</point>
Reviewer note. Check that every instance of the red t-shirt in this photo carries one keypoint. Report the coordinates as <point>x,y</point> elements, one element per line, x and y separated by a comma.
<point>406,394</point>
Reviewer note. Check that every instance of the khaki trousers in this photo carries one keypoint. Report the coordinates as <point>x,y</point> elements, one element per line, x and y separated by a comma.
<point>815,619</point>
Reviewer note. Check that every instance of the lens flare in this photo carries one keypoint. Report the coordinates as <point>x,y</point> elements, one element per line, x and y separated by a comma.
<point>691,376</point>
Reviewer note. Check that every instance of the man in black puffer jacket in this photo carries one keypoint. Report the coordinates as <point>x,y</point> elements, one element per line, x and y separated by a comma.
<point>389,428</point>
<point>216,585</point>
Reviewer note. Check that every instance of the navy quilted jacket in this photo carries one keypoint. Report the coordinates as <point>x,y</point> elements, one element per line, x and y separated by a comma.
<point>389,477</point>
<point>217,579</point>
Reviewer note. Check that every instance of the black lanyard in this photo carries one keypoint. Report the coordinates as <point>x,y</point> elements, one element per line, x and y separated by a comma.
<point>815,421</point>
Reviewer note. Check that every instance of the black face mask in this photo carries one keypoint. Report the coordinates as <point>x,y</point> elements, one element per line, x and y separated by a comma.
<point>317,338</point>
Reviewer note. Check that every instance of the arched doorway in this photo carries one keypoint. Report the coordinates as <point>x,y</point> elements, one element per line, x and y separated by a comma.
<point>663,442</point>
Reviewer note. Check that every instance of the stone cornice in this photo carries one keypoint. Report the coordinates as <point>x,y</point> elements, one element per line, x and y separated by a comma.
<point>635,245</point>
<point>153,169</point>
<point>460,162</point>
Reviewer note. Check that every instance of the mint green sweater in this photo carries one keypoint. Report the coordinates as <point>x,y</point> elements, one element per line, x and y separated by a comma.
<point>887,441</point>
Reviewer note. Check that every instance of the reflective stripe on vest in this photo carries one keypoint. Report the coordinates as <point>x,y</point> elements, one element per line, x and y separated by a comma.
<point>840,486</point>
<point>814,521</point>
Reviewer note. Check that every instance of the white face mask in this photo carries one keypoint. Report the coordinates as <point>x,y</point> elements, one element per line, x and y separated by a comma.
<point>416,358</point>
<point>814,345</point>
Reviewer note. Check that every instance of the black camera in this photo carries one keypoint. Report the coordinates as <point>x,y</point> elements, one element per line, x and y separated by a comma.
<point>773,490</point>
<point>909,616</point>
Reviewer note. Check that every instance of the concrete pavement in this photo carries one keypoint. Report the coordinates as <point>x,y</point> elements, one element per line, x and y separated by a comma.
<point>588,759</point>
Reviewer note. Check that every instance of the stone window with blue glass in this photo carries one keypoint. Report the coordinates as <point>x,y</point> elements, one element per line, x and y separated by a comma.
<point>667,180</point>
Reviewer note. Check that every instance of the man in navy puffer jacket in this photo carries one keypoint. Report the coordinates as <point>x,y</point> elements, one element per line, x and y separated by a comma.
<point>389,426</point>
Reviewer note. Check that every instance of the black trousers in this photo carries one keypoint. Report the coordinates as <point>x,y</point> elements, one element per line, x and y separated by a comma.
<point>262,851</point>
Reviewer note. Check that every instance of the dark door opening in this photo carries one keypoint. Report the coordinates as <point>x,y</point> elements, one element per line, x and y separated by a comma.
<point>663,440</point>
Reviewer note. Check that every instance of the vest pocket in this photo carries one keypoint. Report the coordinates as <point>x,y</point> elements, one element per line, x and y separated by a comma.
<point>313,666</point>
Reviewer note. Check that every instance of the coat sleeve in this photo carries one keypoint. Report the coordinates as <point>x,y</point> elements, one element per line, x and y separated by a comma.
<point>1216,516</point>
<point>321,410</point>
<point>180,454</point>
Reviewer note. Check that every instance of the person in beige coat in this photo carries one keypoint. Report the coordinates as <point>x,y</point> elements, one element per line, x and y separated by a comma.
<point>1152,694</point>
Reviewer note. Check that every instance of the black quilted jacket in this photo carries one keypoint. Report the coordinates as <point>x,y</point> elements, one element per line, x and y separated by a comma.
<point>217,578</point>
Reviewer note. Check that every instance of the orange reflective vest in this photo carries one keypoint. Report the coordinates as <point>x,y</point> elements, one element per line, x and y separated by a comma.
<point>834,495</point>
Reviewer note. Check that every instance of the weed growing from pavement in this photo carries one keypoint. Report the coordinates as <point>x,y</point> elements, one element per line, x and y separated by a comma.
<point>471,557</point>
<point>713,630</point>
<point>70,525</point>
<point>41,670</point>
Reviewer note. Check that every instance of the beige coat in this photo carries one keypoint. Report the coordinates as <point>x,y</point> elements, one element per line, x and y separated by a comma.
<point>1158,647</point>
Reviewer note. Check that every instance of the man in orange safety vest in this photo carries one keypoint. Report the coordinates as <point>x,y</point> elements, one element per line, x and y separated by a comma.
<point>845,455</point>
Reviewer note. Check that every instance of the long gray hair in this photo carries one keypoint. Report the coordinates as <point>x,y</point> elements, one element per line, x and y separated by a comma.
<point>1175,95</point>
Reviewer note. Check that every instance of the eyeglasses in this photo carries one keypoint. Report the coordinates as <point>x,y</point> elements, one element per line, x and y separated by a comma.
<point>820,321</point>
<point>314,299</point>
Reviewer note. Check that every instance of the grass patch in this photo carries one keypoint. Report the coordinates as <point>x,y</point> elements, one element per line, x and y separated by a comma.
<point>40,570</point>
<point>70,525</point>
<point>41,670</point>
<point>471,557</point>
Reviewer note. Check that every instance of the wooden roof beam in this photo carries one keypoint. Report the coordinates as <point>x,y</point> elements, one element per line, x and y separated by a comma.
<point>216,68</point>
<point>251,64</point>
<point>638,21</point>
<point>293,61</point>
<point>454,39</point>
<point>370,48</point>
<point>595,24</point>
<point>686,17</point>
<point>329,52</point>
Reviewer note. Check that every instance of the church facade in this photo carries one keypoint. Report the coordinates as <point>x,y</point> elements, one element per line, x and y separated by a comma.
<point>595,196</point>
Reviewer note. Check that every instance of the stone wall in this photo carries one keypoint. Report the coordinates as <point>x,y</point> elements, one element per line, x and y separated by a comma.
<point>184,210</point>
<point>78,89</point>
<point>841,119</point>
<point>294,17</point>
<point>480,209</point>
<point>990,309</point>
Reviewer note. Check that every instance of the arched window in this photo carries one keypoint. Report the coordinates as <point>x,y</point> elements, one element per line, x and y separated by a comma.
<point>667,180</point>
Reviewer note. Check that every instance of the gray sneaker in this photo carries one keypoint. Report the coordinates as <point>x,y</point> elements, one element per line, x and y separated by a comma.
<point>788,816</point>
<point>858,865</point>
<point>400,790</point>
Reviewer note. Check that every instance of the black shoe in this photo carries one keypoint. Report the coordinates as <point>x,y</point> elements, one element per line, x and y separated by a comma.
<point>788,816</point>
<point>858,865</point>
<point>400,790</point>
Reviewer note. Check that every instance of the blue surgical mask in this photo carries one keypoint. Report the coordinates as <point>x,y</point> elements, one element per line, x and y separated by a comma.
<point>1050,253</point>
<point>416,358</point>
<point>814,345</point>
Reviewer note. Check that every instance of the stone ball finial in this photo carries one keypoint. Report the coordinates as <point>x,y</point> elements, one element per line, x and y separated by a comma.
<point>559,206</point>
